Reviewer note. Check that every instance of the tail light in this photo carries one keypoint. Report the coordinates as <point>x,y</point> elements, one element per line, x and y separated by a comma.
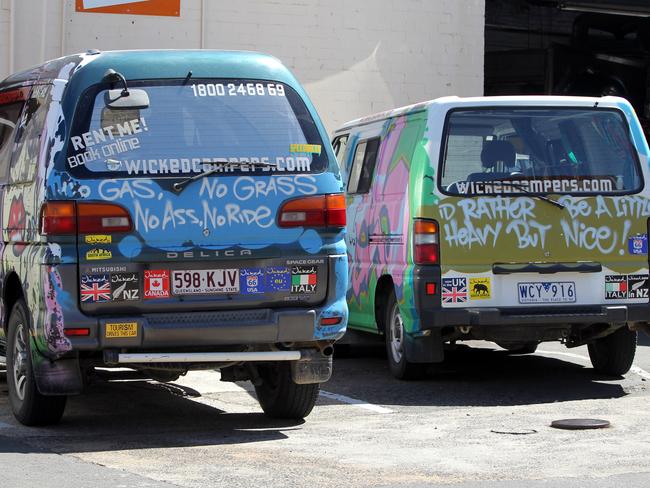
<point>102,217</point>
<point>59,218</point>
<point>425,242</point>
<point>317,211</point>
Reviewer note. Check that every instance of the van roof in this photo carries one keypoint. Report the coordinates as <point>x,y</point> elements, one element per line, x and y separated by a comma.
<point>454,101</point>
<point>143,64</point>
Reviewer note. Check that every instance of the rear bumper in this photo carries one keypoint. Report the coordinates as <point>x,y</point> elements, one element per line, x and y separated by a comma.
<point>208,329</point>
<point>537,316</point>
<point>433,316</point>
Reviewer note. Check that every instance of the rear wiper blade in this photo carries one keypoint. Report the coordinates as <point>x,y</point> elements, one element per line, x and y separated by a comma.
<point>179,185</point>
<point>525,190</point>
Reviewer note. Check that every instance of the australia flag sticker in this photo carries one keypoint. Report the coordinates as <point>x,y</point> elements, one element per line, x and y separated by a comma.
<point>638,244</point>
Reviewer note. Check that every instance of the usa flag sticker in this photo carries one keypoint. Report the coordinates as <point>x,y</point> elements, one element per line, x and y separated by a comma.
<point>454,290</point>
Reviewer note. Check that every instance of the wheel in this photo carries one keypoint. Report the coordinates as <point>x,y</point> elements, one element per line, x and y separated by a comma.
<point>28,405</point>
<point>280,397</point>
<point>519,347</point>
<point>613,354</point>
<point>394,333</point>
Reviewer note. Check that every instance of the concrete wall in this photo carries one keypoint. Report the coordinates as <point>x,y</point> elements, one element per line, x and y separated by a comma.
<point>354,57</point>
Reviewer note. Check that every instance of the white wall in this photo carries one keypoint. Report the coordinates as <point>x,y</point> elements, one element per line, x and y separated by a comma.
<point>355,57</point>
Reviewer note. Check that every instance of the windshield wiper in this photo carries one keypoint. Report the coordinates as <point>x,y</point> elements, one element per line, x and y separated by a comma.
<point>178,186</point>
<point>525,190</point>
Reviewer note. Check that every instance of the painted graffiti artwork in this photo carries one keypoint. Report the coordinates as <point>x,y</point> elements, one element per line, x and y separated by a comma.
<point>466,213</point>
<point>160,214</point>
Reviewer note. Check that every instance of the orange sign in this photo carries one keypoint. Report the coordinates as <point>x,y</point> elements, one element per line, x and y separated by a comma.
<point>170,8</point>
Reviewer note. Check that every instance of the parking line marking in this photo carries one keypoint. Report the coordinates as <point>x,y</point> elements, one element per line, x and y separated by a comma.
<point>634,369</point>
<point>355,402</point>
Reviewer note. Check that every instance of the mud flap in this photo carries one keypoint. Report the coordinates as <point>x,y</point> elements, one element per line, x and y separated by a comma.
<point>422,348</point>
<point>60,377</point>
<point>313,367</point>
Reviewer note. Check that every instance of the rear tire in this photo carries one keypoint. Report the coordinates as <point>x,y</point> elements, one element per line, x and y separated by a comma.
<point>613,355</point>
<point>280,397</point>
<point>400,367</point>
<point>28,405</point>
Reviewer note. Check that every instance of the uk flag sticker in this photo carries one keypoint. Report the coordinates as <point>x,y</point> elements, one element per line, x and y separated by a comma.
<point>454,290</point>
<point>95,288</point>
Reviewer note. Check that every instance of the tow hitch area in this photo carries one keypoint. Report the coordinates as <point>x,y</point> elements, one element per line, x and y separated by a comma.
<point>313,367</point>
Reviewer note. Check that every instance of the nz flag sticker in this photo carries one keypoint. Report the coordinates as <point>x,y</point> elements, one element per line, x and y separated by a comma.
<point>638,244</point>
<point>278,278</point>
<point>251,280</point>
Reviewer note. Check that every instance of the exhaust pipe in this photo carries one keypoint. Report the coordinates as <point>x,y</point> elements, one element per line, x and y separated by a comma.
<point>327,351</point>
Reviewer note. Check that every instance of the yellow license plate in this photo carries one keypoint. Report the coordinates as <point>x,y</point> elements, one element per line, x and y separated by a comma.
<point>122,329</point>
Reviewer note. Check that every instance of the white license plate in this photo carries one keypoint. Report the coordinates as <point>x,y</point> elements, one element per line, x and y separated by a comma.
<point>547,292</point>
<point>205,281</point>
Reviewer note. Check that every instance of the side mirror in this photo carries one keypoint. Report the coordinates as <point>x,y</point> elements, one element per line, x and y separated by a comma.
<point>133,99</point>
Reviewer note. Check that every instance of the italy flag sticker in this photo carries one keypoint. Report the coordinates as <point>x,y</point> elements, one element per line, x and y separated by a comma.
<point>304,280</point>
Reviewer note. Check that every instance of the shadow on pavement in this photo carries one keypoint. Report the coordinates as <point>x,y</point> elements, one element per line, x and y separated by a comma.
<point>644,339</point>
<point>470,377</point>
<point>137,415</point>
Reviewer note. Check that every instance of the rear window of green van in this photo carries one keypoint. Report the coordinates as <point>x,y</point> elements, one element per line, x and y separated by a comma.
<point>538,150</point>
<point>229,126</point>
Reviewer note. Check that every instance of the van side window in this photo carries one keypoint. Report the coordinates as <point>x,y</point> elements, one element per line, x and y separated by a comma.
<point>28,137</point>
<point>363,166</point>
<point>11,105</point>
<point>339,145</point>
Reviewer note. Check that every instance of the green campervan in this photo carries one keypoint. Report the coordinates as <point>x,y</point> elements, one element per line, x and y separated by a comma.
<point>515,220</point>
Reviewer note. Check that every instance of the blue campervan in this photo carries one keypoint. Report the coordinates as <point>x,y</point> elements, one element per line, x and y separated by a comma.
<point>167,211</point>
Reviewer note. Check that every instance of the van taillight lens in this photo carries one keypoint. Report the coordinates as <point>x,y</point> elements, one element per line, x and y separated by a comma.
<point>317,211</point>
<point>58,218</point>
<point>425,242</point>
<point>102,217</point>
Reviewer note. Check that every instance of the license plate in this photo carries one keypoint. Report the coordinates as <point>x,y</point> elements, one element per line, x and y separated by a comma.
<point>205,281</point>
<point>121,330</point>
<point>547,292</point>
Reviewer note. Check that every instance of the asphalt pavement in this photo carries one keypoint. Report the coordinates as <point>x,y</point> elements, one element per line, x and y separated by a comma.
<point>480,419</point>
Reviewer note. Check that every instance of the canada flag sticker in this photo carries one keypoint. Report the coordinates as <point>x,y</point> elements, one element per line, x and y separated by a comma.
<point>156,284</point>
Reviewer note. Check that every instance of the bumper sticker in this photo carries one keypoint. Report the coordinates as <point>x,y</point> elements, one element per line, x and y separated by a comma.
<point>98,239</point>
<point>479,288</point>
<point>615,287</point>
<point>278,278</point>
<point>125,287</point>
<point>95,288</point>
<point>156,284</point>
<point>251,280</point>
<point>631,287</point>
<point>638,245</point>
<point>454,290</point>
<point>121,330</point>
<point>303,279</point>
<point>96,254</point>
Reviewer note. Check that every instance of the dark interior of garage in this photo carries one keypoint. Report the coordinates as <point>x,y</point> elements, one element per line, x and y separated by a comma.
<point>577,47</point>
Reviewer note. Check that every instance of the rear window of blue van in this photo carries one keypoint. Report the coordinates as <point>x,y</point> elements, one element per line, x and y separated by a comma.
<point>229,126</point>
